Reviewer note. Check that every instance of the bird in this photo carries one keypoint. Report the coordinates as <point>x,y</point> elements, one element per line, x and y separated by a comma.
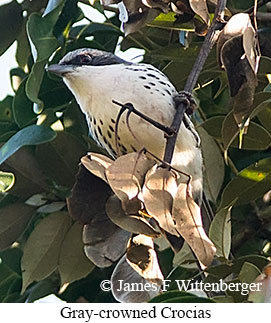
<point>99,79</point>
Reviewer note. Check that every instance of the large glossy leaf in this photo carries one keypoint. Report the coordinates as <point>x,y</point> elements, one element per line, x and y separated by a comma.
<point>42,37</point>
<point>59,158</point>
<point>257,138</point>
<point>22,107</point>
<point>250,184</point>
<point>264,115</point>
<point>14,219</point>
<point>213,126</point>
<point>73,263</point>
<point>45,44</point>
<point>249,272</point>
<point>11,21</point>
<point>29,178</point>
<point>213,165</point>
<point>220,232</point>
<point>31,135</point>
<point>7,277</point>
<point>41,252</point>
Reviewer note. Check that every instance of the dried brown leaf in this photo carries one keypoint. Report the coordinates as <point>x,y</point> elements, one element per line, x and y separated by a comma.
<point>88,197</point>
<point>249,39</point>
<point>104,243</point>
<point>187,216</point>
<point>159,191</point>
<point>235,27</point>
<point>126,175</point>
<point>97,164</point>
<point>142,257</point>
<point>159,4</point>
<point>131,223</point>
<point>201,9</point>
<point>124,275</point>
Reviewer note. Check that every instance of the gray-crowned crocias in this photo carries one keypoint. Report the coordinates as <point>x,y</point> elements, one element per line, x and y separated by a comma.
<point>97,78</point>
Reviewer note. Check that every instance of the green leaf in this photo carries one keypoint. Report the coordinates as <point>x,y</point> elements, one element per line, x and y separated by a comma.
<point>59,158</point>
<point>7,180</point>
<point>41,252</point>
<point>22,107</point>
<point>220,232</point>
<point>213,165</point>
<point>250,184</point>
<point>73,263</point>
<point>213,126</point>
<point>257,138</point>
<point>14,219</point>
<point>11,21</point>
<point>31,135</point>
<point>23,48</point>
<point>185,258</point>
<point>11,257</point>
<point>40,30</point>
<point>7,277</point>
<point>222,271</point>
<point>264,108</point>
<point>43,288</point>
<point>29,177</point>
<point>168,21</point>
<point>6,109</point>
<point>34,81</point>
<point>249,272</point>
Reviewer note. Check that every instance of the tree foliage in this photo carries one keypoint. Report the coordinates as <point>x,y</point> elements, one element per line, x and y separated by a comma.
<point>43,136</point>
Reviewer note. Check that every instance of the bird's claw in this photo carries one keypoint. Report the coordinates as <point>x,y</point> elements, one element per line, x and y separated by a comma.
<point>187,98</point>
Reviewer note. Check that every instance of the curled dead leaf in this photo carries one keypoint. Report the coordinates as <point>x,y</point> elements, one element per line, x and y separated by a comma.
<point>157,4</point>
<point>239,25</point>
<point>131,223</point>
<point>237,53</point>
<point>97,164</point>
<point>104,243</point>
<point>126,175</point>
<point>124,275</point>
<point>187,216</point>
<point>142,257</point>
<point>201,9</point>
<point>159,190</point>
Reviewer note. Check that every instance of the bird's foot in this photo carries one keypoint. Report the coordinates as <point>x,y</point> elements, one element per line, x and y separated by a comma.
<point>131,109</point>
<point>186,98</point>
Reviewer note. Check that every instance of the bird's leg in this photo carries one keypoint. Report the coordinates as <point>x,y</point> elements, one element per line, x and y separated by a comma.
<point>129,106</point>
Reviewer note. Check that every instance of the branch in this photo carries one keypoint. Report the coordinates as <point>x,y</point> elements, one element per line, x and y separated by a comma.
<point>210,40</point>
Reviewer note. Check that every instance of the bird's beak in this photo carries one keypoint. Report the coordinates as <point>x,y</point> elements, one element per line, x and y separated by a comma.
<point>60,70</point>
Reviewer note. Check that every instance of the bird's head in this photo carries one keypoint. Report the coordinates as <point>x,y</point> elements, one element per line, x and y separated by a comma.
<point>85,70</point>
<point>83,59</point>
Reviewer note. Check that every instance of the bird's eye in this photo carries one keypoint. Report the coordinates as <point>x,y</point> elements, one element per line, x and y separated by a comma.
<point>85,59</point>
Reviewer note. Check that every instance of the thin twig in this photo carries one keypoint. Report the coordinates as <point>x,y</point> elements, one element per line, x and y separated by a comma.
<point>208,43</point>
